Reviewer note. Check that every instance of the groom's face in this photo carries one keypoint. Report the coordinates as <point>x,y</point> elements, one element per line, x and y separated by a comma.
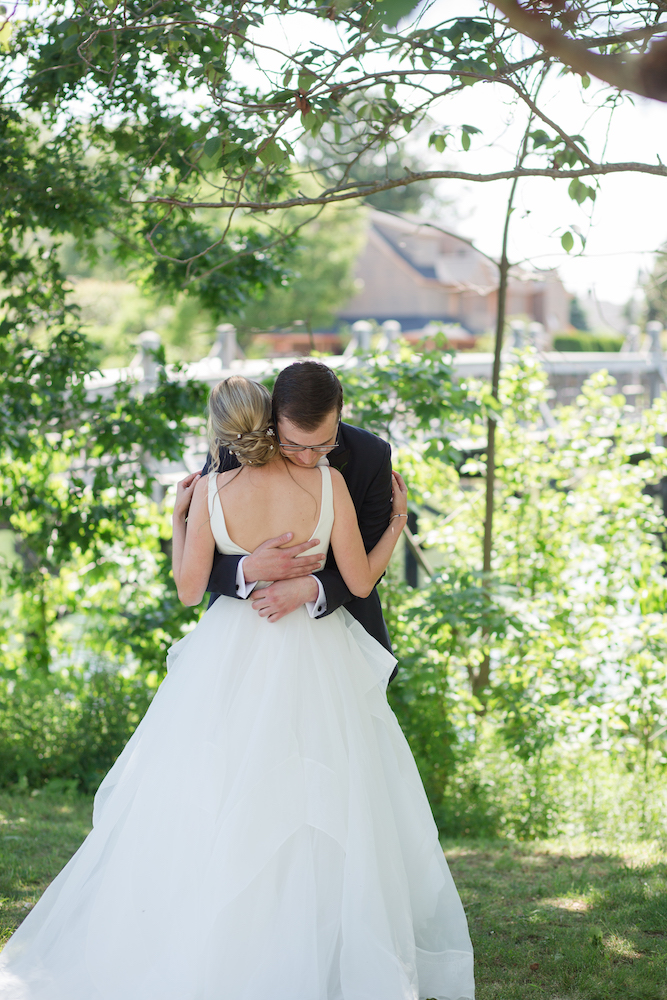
<point>324,436</point>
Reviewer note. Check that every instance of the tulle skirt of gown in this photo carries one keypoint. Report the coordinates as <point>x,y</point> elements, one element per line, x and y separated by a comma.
<point>264,835</point>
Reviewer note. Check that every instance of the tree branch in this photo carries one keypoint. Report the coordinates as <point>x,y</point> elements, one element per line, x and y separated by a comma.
<point>644,75</point>
<point>364,190</point>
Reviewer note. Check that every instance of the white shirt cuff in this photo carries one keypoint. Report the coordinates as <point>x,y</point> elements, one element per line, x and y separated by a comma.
<point>243,589</point>
<point>318,607</point>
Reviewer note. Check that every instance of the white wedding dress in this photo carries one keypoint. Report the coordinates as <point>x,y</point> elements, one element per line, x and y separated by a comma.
<point>264,835</point>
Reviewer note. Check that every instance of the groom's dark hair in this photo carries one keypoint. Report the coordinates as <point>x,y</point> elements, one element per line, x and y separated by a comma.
<point>306,393</point>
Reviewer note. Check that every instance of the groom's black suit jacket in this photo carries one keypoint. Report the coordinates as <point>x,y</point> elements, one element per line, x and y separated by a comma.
<point>365,462</point>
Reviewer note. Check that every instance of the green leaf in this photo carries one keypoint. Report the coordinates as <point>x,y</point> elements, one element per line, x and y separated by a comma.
<point>540,138</point>
<point>212,146</point>
<point>391,11</point>
<point>579,191</point>
<point>313,122</point>
<point>280,97</point>
<point>272,153</point>
<point>573,190</point>
<point>585,81</point>
<point>581,141</point>
<point>306,80</point>
<point>471,66</point>
<point>465,140</point>
<point>567,241</point>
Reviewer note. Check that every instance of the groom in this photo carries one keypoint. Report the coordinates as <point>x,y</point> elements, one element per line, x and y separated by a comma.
<point>307,404</point>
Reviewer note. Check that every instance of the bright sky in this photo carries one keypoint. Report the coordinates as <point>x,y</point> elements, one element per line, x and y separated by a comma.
<point>627,222</point>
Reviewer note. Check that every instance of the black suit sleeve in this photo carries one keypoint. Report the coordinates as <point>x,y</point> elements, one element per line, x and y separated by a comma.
<point>373,516</point>
<point>223,574</point>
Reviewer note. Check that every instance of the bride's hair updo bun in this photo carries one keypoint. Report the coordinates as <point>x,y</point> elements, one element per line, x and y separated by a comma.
<point>239,418</point>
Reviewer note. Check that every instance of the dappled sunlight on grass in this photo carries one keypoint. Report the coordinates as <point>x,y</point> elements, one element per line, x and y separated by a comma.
<point>565,920</point>
<point>620,948</point>
<point>573,905</point>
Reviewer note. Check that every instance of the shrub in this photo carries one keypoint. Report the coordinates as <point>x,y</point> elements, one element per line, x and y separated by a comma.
<point>70,726</point>
<point>580,340</point>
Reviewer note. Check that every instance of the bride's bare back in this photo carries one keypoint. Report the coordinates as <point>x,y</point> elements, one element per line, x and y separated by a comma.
<point>261,505</point>
<point>264,502</point>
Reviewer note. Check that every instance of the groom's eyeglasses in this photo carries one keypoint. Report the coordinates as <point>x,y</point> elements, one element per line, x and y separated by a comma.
<point>320,449</point>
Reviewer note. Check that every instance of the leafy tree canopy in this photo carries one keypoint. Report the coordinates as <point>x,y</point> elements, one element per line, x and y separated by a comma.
<point>137,117</point>
<point>320,279</point>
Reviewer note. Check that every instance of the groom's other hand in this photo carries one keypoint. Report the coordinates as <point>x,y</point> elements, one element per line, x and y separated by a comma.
<point>285,596</point>
<point>184,493</point>
<point>270,562</point>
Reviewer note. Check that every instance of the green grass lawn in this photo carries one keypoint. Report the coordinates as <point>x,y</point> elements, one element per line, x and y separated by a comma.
<point>37,837</point>
<point>553,920</point>
<point>565,921</point>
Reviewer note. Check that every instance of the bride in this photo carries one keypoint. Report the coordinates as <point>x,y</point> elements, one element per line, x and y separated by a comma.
<point>264,835</point>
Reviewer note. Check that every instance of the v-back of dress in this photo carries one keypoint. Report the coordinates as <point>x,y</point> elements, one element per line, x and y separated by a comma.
<point>264,833</point>
<point>227,545</point>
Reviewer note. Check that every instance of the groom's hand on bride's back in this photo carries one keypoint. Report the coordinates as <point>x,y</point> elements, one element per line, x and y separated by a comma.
<point>271,562</point>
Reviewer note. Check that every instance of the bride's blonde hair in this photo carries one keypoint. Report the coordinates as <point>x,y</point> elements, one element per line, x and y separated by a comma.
<point>239,418</point>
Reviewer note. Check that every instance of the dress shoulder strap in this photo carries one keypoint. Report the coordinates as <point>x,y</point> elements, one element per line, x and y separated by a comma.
<point>327,491</point>
<point>218,524</point>
<point>212,489</point>
<point>326,505</point>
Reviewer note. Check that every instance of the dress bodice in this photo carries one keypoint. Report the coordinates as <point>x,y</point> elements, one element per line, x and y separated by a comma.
<point>228,546</point>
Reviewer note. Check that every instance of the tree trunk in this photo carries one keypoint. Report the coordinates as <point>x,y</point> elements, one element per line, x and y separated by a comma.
<point>481,678</point>
<point>495,380</point>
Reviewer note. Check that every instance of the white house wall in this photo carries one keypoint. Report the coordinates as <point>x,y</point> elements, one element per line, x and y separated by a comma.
<point>391,288</point>
<point>411,272</point>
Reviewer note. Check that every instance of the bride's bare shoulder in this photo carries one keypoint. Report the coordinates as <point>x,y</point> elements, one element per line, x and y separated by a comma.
<point>202,487</point>
<point>226,477</point>
<point>305,473</point>
<point>338,482</point>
